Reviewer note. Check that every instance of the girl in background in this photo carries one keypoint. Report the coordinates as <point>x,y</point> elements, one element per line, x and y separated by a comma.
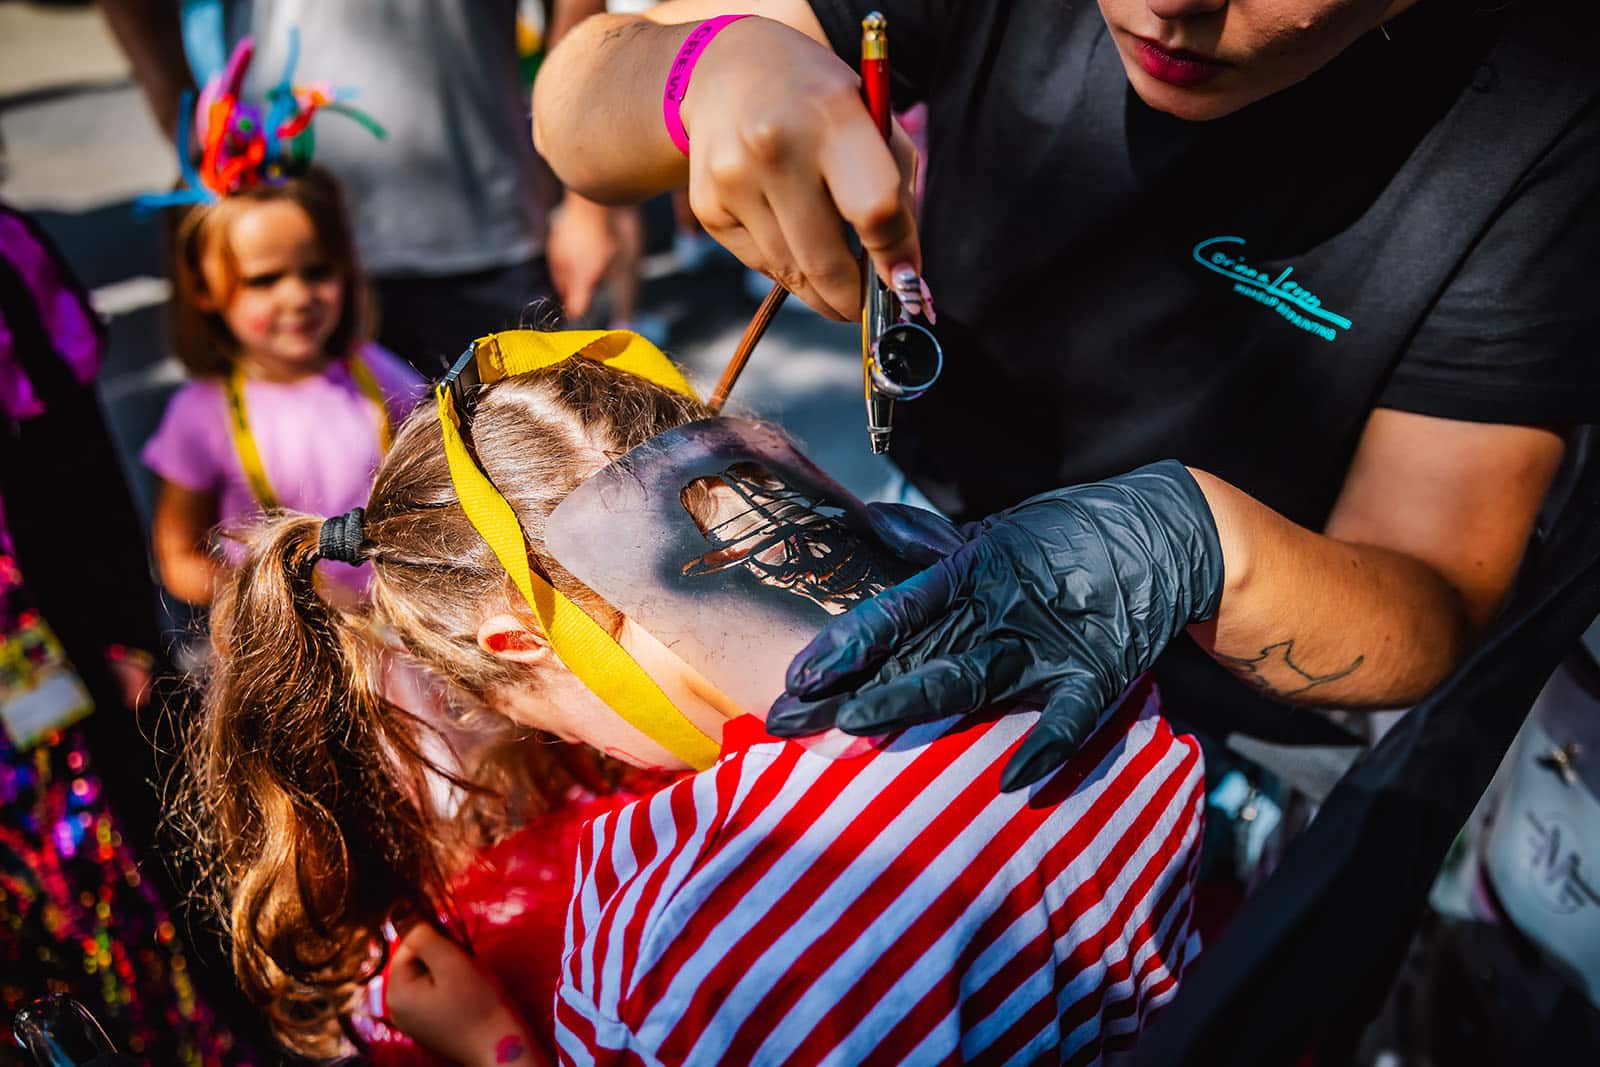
<point>287,406</point>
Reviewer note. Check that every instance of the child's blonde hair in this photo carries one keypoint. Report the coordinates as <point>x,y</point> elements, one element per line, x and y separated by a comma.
<point>203,343</point>
<point>309,790</point>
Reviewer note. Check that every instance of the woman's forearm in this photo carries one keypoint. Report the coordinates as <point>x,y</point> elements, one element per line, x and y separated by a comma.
<point>597,109</point>
<point>1312,620</point>
<point>597,114</point>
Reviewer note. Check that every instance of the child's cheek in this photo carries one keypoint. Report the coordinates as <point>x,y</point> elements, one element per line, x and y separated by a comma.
<point>259,315</point>
<point>331,294</point>
<point>249,319</point>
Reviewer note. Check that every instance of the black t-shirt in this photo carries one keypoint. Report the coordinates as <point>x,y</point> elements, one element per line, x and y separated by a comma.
<point>1415,226</point>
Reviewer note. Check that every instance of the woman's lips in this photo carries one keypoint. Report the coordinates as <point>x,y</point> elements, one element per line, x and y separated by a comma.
<point>1176,67</point>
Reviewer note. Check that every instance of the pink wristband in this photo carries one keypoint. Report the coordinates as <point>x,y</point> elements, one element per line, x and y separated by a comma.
<point>682,67</point>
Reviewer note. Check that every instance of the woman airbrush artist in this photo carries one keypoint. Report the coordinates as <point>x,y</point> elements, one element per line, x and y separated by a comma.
<point>1322,252</point>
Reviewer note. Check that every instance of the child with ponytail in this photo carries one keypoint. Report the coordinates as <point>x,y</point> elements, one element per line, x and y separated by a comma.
<point>313,795</point>
<point>777,906</point>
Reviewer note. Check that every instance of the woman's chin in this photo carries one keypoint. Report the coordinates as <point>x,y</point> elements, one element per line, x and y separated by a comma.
<point>1201,102</point>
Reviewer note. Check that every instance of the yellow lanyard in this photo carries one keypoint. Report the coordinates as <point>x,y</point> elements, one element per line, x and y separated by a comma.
<point>244,442</point>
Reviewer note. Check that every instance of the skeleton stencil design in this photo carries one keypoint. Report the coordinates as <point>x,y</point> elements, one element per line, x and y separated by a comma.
<point>753,519</point>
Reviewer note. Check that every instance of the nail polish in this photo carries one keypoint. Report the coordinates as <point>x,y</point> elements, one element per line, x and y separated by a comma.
<point>908,287</point>
<point>927,302</point>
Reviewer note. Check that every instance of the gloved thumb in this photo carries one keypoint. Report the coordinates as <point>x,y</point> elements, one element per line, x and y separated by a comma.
<point>1069,716</point>
<point>917,535</point>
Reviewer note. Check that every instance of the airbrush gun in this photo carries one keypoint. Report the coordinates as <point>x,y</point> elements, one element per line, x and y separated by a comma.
<point>900,358</point>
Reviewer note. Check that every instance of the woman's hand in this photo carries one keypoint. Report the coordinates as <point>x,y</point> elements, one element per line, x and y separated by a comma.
<point>783,153</point>
<point>444,1001</point>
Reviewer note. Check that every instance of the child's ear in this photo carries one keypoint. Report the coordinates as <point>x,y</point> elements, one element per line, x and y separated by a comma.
<point>203,301</point>
<point>507,637</point>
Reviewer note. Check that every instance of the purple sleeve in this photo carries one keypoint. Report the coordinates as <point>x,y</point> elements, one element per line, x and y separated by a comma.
<point>402,386</point>
<point>189,447</point>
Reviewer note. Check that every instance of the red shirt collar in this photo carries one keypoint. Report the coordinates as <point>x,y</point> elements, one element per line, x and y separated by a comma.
<point>743,733</point>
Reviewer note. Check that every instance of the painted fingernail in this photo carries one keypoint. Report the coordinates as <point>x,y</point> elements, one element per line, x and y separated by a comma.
<point>927,302</point>
<point>908,287</point>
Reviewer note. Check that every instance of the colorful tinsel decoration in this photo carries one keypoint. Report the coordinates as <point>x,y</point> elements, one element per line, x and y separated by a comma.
<point>76,917</point>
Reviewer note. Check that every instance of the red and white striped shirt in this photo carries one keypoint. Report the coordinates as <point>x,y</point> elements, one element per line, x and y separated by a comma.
<point>783,907</point>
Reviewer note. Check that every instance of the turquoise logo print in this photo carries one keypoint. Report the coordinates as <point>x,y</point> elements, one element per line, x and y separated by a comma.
<point>1298,306</point>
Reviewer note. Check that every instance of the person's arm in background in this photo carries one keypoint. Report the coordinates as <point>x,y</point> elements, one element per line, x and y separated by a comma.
<point>180,536</point>
<point>564,16</point>
<point>1413,564</point>
<point>783,150</point>
<point>151,36</point>
<point>581,245</point>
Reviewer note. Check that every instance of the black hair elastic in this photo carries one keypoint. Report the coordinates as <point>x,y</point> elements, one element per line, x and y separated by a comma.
<point>342,536</point>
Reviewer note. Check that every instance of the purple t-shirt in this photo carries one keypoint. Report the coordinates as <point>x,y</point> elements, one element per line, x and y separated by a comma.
<point>318,438</point>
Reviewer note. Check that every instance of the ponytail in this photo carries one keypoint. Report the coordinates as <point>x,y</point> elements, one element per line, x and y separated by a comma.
<point>309,791</point>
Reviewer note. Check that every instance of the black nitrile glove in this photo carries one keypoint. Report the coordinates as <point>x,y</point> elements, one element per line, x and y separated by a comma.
<point>1065,599</point>
<point>917,535</point>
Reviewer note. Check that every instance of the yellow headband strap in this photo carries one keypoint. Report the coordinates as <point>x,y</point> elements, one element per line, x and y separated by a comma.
<point>581,643</point>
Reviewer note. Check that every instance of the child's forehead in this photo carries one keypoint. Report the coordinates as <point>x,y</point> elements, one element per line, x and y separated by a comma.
<point>271,225</point>
<point>268,230</point>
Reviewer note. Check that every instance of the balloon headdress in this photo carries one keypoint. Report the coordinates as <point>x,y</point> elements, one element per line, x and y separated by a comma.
<point>243,145</point>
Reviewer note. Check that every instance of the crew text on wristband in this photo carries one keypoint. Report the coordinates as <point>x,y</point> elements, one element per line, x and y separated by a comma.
<point>682,67</point>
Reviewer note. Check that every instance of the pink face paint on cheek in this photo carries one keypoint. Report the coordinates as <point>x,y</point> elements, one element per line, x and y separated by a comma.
<point>508,1049</point>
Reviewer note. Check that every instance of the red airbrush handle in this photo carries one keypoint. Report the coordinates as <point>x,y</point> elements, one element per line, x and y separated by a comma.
<point>875,69</point>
